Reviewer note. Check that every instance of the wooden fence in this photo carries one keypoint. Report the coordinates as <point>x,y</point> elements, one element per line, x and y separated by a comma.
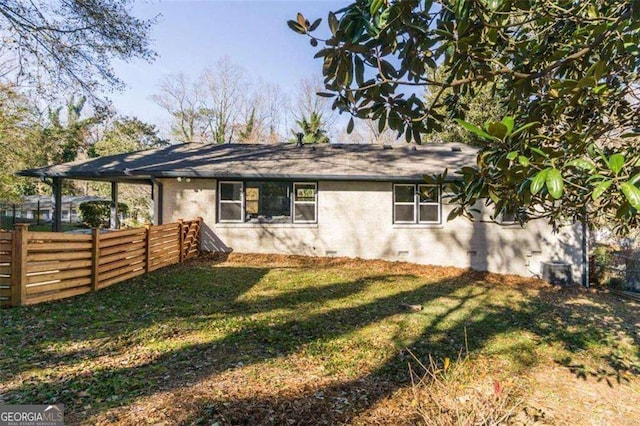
<point>37,267</point>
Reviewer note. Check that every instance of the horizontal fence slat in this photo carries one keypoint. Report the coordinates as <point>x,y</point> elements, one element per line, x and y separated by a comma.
<point>5,269</point>
<point>59,256</point>
<point>164,249</point>
<point>115,265</point>
<point>57,236</point>
<point>5,281</point>
<point>123,270</point>
<point>122,255</point>
<point>119,249</point>
<point>174,257</point>
<point>59,295</point>
<point>5,292</point>
<point>5,247</point>
<point>6,258</point>
<point>164,240</point>
<point>58,246</point>
<point>60,285</point>
<point>57,266</point>
<point>157,228</point>
<point>163,264</point>
<point>123,233</point>
<point>120,278</point>
<point>74,273</point>
<point>121,241</point>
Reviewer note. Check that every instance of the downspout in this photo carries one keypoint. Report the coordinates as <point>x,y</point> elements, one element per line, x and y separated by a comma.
<point>158,195</point>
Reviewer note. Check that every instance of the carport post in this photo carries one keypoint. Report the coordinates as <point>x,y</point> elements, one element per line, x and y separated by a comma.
<point>114,222</point>
<point>56,223</point>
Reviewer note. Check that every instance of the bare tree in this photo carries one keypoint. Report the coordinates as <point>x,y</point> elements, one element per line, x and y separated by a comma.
<point>183,100</point>
<point>263,113</point>
<point>69,43</point>
<point>305,101</point>
<point>225,89</point>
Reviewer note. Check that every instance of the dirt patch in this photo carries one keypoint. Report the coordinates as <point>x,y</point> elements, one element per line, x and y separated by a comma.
<point>562,398</point>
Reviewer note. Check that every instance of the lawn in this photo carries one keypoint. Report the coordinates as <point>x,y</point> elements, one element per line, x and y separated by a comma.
<point>288,340</point>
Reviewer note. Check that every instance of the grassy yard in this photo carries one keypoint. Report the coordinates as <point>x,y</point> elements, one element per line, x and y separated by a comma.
<point>288,340</point>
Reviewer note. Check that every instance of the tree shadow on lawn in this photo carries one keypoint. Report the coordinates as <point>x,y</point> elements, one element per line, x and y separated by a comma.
<point>253,342</point>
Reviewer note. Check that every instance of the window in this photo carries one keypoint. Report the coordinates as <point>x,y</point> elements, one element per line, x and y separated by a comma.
<point>230,206</point>
<point>304,202</point>
<point>416,203</point>
<point>267,202</point>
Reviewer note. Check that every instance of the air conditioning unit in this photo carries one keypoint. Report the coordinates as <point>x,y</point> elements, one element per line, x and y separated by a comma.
<point>557,273</point>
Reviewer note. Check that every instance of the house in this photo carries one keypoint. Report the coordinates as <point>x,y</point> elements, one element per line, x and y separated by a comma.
<point>35,208</point>
<point>366,201</point>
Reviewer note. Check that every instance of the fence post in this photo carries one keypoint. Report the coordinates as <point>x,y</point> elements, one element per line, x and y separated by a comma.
<point>95,258</point>
<point>19,264</point>
<point>147,248</point>
<point>199,234</point>
<point>181,239</point>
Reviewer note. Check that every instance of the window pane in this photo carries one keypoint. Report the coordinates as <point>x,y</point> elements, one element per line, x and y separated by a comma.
<point>429,213</point>
<point>428,193</point>
<point>268,202</point>
<point>305,212</point>
<point>404,213</point>
<point>230,211</point>
<point>231,191</point>
<point>404,193</point>
<point>305,192</point>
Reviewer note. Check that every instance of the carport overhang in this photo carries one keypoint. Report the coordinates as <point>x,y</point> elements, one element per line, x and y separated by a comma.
<point>56,179</point>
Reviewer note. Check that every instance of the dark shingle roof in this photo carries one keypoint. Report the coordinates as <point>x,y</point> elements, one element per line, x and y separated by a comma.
<point>275,161</point>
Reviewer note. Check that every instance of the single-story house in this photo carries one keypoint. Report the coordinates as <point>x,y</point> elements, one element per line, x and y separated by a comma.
<point>366,201</point>
<point>34,207</point>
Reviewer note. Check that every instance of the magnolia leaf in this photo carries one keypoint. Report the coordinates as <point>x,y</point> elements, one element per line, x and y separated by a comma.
<point>375,6</point>
<point>538,181</point>
<point>474,129</point>
<point>600,189</point>
<point>582,164</point>
<point>524,161</point>
<point>296,27</point>
<point>333,23</point>
<point>498,130</point>
<point>555,184</point>
<point>616,162</point>
<point>315,24</point>
<point>512,155</point>
<point>632,193</point>
<point>509,122</point>
<point>301,19</point>
<point>523,128</point>
<point>350,125</point>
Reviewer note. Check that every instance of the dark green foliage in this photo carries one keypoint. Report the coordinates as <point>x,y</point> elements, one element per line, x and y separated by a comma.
<point>127,134</point>
<point>565,72</point>
<point>96,213</point>
<point>312,129</point>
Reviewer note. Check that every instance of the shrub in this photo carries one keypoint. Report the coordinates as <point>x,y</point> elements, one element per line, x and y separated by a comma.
<point>96,214</point>
<point>453,393</point>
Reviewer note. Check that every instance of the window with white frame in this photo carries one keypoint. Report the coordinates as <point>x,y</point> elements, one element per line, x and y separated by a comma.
<point>267,202</point>
<point>304,202</point>
<point>230,202</point>
<point>416,203</point>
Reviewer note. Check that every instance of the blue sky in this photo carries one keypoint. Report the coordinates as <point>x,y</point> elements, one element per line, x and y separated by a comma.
<point>192,35</point>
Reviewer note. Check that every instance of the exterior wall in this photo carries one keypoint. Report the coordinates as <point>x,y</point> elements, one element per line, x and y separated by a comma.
<point>355,220</point>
